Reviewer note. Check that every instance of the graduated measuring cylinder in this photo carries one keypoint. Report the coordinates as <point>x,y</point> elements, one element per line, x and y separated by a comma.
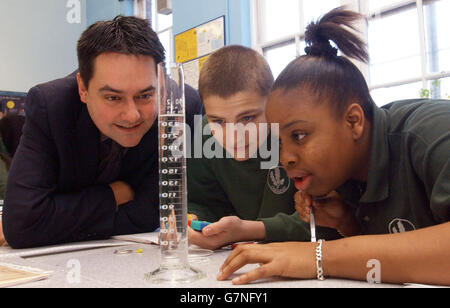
<point>174,265</point>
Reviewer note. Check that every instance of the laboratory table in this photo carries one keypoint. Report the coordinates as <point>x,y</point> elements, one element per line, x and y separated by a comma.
<point>104,265</point>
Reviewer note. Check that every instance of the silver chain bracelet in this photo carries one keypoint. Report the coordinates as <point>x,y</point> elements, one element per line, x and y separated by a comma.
<point>319,264</point>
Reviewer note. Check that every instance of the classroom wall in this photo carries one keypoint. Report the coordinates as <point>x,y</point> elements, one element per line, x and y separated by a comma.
<point>107,9</point>
<point>189,14</point>
<point>38,43</point>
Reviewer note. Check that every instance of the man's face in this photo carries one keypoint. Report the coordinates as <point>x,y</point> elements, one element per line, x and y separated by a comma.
<point>121,96</point>
<point>243,111</point>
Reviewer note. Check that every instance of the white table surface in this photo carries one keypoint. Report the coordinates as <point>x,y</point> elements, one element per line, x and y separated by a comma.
<point>102,268</point>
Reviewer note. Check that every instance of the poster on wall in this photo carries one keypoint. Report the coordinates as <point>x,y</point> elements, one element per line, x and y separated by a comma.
<point>12,103</point>
<point>192,71</point>
<point>193,46</point>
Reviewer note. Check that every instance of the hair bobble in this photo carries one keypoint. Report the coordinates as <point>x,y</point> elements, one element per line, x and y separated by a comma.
<point>321,50</point>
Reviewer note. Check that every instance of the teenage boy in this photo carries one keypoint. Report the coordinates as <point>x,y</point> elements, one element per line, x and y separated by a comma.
<point>232,185</point>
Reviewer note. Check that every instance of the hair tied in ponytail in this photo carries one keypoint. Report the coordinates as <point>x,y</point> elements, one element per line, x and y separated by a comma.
<point>318,45</point>
<point>334,27</point>
<point>321,50</point>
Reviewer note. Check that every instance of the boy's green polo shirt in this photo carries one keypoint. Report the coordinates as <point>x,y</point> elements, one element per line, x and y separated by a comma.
<point>408,185</point>
<point>220,187</point>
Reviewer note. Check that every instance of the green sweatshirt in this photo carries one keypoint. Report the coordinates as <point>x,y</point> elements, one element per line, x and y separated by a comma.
<point>220,187</point>
<point>408,186</point>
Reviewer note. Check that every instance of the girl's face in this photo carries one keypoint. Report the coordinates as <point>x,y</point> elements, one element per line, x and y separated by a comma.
<point>317,148</point>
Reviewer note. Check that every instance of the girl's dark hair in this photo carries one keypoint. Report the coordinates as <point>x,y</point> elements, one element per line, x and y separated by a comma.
<point>124,34</point>
<point>331,78</point>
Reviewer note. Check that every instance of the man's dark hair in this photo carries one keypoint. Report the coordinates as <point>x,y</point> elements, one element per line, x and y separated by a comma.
<point>233,69</point>
<point>124,34</point>
<point>331,78</point>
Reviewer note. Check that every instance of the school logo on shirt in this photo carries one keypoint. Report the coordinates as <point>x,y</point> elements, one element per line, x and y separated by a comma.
<point>400,226</point>
<point>278,181</point>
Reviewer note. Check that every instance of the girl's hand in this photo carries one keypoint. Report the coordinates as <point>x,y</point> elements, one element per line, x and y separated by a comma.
<point>293,260</point>
<point>331,212</point>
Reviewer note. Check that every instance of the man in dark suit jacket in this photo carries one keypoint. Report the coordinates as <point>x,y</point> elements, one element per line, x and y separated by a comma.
<point>87,164</point>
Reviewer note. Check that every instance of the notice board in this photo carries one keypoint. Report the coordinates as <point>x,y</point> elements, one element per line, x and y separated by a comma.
<point>192,47</point>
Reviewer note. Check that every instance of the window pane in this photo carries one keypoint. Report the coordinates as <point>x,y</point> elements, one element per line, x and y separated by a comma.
<point>282,18</point>
<point>445,88</point>
<point>165,38</point>
<point>313,9</point>
<point>385,96</point>
<point>394,47</point>
<point>437,25</point>
<point>375,5</point>
<point>438,89</point>
<point>164,21</point>
<point>160,21</point>
<point>279,58</point>
<point>153,18</point>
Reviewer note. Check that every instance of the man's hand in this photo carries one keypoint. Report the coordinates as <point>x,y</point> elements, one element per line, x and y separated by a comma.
<point>293,260</point>
<point>226,231</point>
<point>122,192</point>
<point>2,237</point>
<point>331,212</point>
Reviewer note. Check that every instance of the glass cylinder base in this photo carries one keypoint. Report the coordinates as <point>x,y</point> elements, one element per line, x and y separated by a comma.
<point>175,275</point>
<point>198,253</point>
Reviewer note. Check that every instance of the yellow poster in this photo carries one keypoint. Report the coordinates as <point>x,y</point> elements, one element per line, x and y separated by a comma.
<point>193,47</point>
<point>186,46</point>
<point>200,41</point>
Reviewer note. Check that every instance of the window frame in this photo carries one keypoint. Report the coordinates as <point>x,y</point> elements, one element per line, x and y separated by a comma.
<point>394,8</point>
<point>258,43</point>
<point>143,8</point>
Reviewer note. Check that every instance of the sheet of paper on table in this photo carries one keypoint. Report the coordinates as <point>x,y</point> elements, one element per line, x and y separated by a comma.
<point>54,249</point>
<point>142,238</point>
<point>11,275</point>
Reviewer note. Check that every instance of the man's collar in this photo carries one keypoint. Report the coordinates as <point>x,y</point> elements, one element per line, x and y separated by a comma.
<point>377,188</point>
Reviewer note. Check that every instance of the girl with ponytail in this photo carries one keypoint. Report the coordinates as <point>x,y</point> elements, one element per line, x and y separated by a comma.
<point>379,176</point>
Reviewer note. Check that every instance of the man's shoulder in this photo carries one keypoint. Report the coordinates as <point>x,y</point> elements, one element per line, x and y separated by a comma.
<point>58,97</point>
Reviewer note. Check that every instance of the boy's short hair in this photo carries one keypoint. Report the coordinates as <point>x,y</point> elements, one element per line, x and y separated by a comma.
<point>233,69</point>
<point>124,34</point>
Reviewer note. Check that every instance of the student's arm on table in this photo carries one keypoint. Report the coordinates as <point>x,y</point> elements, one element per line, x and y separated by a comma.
<point>421,256</point>
<point>224,228</point>
<point>227,230</point>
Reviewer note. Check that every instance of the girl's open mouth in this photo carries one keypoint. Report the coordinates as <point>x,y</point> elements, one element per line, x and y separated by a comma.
<point>302,183</point>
